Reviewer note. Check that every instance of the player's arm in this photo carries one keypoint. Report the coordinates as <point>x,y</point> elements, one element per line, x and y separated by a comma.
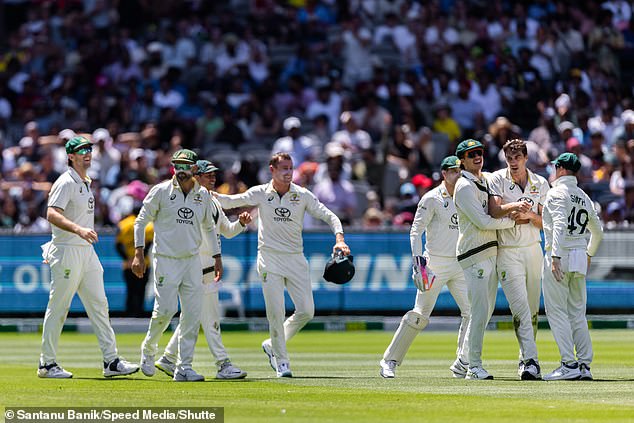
<point>55,217</point>
<point>467,201</point>
<point>498,209</point>
<point>556,207</point>
<point>424,214</point>
<point>227,228</point>
<point>245,199</point>
<point>210,230</point>
<point>595,228</point>
<point>316,209</point>
<point>151,206</point>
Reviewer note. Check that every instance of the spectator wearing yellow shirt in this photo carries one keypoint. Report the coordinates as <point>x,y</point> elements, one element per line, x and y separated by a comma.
<point>445,124</point>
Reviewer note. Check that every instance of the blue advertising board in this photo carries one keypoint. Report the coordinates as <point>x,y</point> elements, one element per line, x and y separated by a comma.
<point>382,282</point>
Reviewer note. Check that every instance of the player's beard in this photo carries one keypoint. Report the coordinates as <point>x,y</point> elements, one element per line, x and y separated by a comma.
<point>183,175</point>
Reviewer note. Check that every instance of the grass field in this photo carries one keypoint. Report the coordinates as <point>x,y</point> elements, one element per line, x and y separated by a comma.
<point>336,380</point>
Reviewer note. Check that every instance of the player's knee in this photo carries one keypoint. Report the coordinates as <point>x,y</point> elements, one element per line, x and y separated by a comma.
<point>305,315</point>
<point>164,312</point>
<point>415,320</point>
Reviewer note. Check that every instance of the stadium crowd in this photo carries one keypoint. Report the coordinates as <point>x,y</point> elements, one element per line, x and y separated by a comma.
<point>366,95</point>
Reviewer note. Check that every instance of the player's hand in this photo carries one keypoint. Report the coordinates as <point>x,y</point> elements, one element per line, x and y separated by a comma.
<point>343,247</point>
<point>245,218</point>
<point>218,270</point>
<point>556,269</point>
<point>521,206</point>
<point>589,260</point>
<point>138,263</point>
<point>88,234</point>
<point>520,218</point>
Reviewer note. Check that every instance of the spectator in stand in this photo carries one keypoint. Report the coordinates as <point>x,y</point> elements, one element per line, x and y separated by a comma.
<point>335,193</point>
<point>300,147</point>
<point>444,123</point>
<point>584,174</point>
<point>327,103</point>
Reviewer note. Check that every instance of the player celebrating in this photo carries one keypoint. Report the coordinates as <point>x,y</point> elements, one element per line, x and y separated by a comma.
<point>210,316</point>
<point>569,219</point>
<point>183,213</point>
<point>520,256</point>
<point>75,267</point>
<point>280,261</point>
<point>436,215</point>
<point>477,247</point>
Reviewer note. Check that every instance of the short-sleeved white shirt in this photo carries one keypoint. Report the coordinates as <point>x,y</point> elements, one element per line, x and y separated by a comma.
<point>501,185</point>
<point>73,196</point>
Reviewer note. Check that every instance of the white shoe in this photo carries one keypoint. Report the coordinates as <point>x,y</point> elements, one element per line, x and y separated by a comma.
<point>284,370</point>
<point>478,373</point>
<point>531,370</point>
<point>166,366</point>
<point>388,369</point>
<point>53,371</point>
<point>520,369</point>
<point>188,375</point>
<point>585,372</point>
<point>147,365</point>
<point>118,367</point>
<point>229,371</point>
<point>459,369</point>
<point>565,372</point>
<point>267,347</point>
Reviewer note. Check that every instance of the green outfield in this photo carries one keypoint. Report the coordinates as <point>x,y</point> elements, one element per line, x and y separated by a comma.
<point>336,380</point>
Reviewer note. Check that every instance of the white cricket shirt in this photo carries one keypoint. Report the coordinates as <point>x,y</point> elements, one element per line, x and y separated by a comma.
<point>73,196</point>
<point>179,219</point>
<point>437,216</point>
<point>569,219</point>
<point>281,219</point>
<point>501,185</point>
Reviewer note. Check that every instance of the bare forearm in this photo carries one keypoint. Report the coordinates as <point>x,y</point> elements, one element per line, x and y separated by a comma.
<point>61,221</point>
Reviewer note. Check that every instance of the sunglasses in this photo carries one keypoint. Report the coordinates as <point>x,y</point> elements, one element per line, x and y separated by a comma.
<point>182,166</point>
<point>84,150</point>
<point>474,153</point>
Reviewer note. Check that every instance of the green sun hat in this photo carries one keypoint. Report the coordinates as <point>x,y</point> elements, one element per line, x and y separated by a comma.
<point>450,162</point>
<point>205,166</point>
<point>467,145</point>
<point>77,143</point>
<point>185,156</point>
<point>568,161</point>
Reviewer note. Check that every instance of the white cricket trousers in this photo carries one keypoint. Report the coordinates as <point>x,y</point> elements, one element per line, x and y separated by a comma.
<point>276,272</point>
<point>482,286</point>
<point>76,269</point>
<point>519,271</point>
<point>173,279</point>
<point>449,273</point>
<point>209,321</point>
<point>565,303</point>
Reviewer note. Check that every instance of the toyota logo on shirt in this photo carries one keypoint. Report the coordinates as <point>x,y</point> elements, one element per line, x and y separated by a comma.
<point>282,214</point>
<point>185,214</point>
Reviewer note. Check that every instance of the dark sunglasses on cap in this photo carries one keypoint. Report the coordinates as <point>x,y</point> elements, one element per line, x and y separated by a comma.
<point>84,150</point>
<point>182,166</point>
<point>474,153</point>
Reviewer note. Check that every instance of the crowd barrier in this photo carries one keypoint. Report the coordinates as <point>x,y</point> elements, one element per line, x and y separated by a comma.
<point>382,284</point>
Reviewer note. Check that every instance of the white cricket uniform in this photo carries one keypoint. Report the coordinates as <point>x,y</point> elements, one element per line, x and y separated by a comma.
<point>520,257</point>
<point>281,260</point>
<point>437,216</point>
<point>476,252</point>
<point>75,268</point>
<point>210,315</point>
<point>572,231</point>
<point>181,222</point>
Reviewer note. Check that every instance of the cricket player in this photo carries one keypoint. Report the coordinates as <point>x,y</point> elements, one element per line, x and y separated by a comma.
<point>476,249</point>
<point>280,262</point>
<point>436,215</point>
<point>520,255</point>
<point>210,316</point>
<point>572,234</point>
<point>183,214</point>
<point>75,267</point>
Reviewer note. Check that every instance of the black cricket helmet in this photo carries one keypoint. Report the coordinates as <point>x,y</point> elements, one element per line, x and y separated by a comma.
<point>339,268</point>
